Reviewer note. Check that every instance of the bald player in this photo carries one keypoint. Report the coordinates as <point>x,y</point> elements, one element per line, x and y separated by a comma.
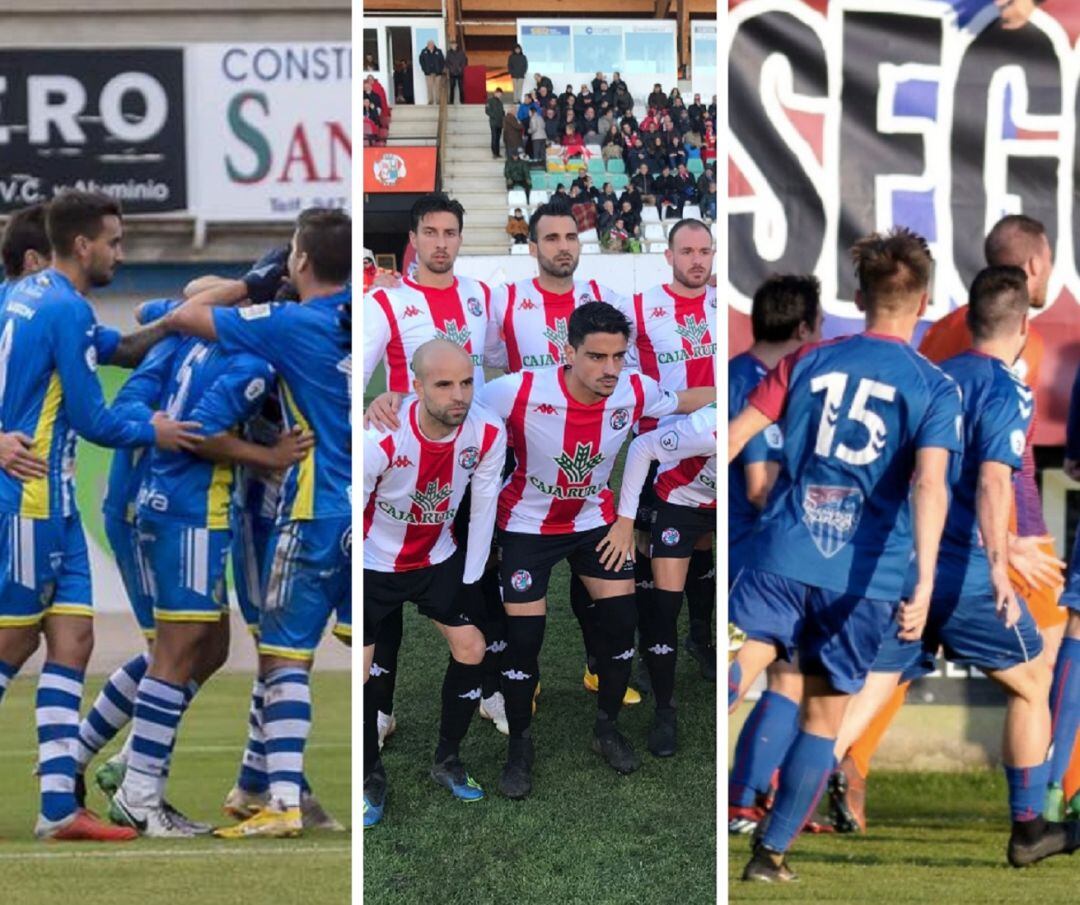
<point>1034,569</point>
<point>414,480</point>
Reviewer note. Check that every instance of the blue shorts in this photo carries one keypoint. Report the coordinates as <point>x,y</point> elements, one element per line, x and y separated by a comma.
<point>185,568</point>
<point>1070,597</point>
<point>835,635</point>
<point>969,633</point>
<point>123,538</point>
<point>44,570</point>
<point>308,576</point>
<point>250,541</point>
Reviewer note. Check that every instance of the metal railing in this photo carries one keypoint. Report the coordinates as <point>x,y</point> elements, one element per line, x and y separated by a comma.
<point>440,132</point>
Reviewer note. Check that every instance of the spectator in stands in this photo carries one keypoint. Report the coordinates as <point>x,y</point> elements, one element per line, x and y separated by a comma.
<point>544,97</point>
<point>537,135</point>
<point>606,196</point>
<point>685,184</point>
<point>516,171</point>
<point>622,101</point>
<point>375,97</point>
<point>669,203</point>
<point>605,119</point>
<point>635,154</point>
<point>599,85</point>
<point>611,145</point>
<point>560,191</point>
<point>432,64</point>
<point>566,99</point>
<point>696,112</point>
<point>630,121</point>
<point>403,82</point>
<point>525,108</point>
<point>674,97</point>
<point>631,219</point>
<point>572,144</point>
<point>513,134</point>
<point>543,83</point>
<point>585,99</point>
<point>569,118</point>
<point>708,202</point>
<point>682,123</point>
<point>676,153</point>
<point>703,181</point>
<point>371,115</point>
<point>644,183</point>
<point>605,218</point>
<point>456,61</point>
<point>657,99</point>
<point>496,112</point>
<point>617,238</point>
<point>518,227</point>
<point>583,209</point>
<point>589,189</point>
<point>518,65</point>
<point>708,142</point>
<point>552,125</point>
<point>604,92</point>
<point>617,83</point>
<point>370,64</point>
<point>656,154</point>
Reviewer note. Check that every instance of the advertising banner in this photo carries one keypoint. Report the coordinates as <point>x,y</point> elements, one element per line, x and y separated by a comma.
<point>399,169</point>
<point>97,120</point>
<point>274,133</point>
<point>850,116</point>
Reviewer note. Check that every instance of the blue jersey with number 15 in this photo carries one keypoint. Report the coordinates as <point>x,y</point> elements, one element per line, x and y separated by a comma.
<point>854,412</point>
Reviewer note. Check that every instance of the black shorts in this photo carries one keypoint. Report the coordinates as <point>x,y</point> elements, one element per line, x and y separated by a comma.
<point>434,590</point>
<point>648,501</point>
<point>676,529</point>
<point>526,561</point>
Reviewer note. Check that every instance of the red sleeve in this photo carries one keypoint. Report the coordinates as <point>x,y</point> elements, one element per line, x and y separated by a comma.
<point>770,396</point>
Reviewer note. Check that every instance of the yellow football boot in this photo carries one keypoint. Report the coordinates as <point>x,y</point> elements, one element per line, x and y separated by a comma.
<point>592,683</point>
<point>270,822</point>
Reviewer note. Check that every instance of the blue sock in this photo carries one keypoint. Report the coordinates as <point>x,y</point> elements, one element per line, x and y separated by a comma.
<point>1027,790</point>
<point>112,709</point>
<point>764,740</point>
<point>158,708</point>
<point>190,690</point>
<point>286,723</point>
<point>734,679</point>
<point>253,777</point>
<point>802,780</point>
<point>1064,707</point>
<point>7,673</point>
<point>59,694</point>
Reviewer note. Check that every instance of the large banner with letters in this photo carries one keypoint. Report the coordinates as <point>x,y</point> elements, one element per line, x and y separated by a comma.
<point>99,120</point>
<point>273,129</point>
<point>848,116</point>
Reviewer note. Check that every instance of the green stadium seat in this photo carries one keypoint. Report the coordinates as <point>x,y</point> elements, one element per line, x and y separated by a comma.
<point>616,165</point>
<point>596,165</point>
<point>619,181</point>
<point>539,179</point>
<point>695,166</point>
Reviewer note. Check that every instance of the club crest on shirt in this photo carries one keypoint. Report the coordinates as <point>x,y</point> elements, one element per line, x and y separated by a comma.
<point>474,306</point>
<point>832,515</point>
<point>774,437</point>
<point>469,457</point>
<point>428,502</point>
<point>579,468</point>
<point>619,419</point>
<point>585,298</point>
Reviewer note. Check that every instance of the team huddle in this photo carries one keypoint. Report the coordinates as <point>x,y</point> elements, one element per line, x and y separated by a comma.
<point>475,488</point>
<point>884,510</point>
<point>231,439</point>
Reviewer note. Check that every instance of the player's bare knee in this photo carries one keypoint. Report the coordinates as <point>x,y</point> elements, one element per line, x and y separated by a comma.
<point>467,646</point>
<point>70,643</point>
<point>17,645</point>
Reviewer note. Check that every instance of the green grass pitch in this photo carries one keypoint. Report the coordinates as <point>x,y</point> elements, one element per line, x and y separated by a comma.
<point>311,870</point>
<point>932,837</point>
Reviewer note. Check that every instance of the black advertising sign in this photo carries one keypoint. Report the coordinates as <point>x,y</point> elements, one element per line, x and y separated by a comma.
<point>97,120</point>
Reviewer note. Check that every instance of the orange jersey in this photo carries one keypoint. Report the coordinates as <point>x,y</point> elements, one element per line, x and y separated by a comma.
<point>950,336</point>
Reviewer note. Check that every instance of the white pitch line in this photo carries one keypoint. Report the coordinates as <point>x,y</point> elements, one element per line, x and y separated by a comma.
<point>201,749</point>
<point>234,851</point>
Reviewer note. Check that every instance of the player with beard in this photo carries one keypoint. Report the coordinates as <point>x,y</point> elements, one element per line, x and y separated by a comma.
<point>675,339</point>
<point>566,426</point>
<point>415,479</point>
<point>399,317</point>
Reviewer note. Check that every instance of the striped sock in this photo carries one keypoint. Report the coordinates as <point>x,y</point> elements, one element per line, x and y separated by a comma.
<point>158,707</point>
<point>190,690</point>
<point>253,777</point>
<point>7,673</point>
<point>286,723</point>
<point>59,694</point>
<point>111,711</point>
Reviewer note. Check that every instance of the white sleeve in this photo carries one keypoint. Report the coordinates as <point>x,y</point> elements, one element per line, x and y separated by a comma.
<point>375,462</point>
<point>494,345</point>
<point>658,401</point>
<point>625,304</point>
<point>498,395</point>
<point>486,484</point>
<point>636,468</point>
<point>376,332</point>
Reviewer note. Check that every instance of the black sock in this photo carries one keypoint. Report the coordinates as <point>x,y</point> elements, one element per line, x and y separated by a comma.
<point>661,636</point>
<point>521,669</point>
<point>643,584</point>
<point>372,761</point>
<point>617,621</point>
<point>494,628</point>
<point>1029,830</point>
<point>460,696</point>
<point>701,595</point>
<point>585,611</point>
<point>383,678</point>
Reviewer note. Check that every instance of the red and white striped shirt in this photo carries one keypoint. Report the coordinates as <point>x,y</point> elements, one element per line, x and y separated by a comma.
<point>413,487</point>
<point>564,449</point>
<point>532,323</point>
<point>685,447</point>
<point>398,321</point>
<point>676,339</point>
